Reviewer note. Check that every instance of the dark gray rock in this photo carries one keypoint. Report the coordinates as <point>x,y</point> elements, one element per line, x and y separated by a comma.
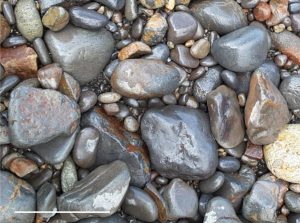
<point>7,83</point>
<point>243,82</point>
<point>46,201</point>
<point>232,53</point>
<point>295,18</point>
<point>290,89</point>
<point>81,53</point>
<point>213,183</point>
<point>42,51</point>
<point>228,164</point>
<point>293,218</point>
<point>46,4</point>
<point>117,143</point>
<point>182,56</point>
<point>180,142</point>
<point>270,70</point>
<point>14,41</point>
<point>139,204</point>
<point>159,52</point>
<point>222,16</point>
<point>249,4</point>
<point>237,151</point>
<point>203,201</point>
<point>36,116</point>
<point>230,79</point>
<point>16,195</point>
<point>87,100</point>
<point>113,4</point>
<point>102,190</point>
<point>115,218</point>
<point>292,201</point>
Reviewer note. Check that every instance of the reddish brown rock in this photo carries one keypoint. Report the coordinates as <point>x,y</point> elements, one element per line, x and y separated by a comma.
<point>133,50</point>
<point>266,111</point>
<point>288,43</point>
<point>262,11</point>
<point>4,27</point>
<point>254,151</point>
<point>21,61</point>
<point>49,76</point>
<point>279,9</point>
<point>22,166</point>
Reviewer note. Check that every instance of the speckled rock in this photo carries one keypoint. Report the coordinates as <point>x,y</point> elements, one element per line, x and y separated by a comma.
<point>133,50</point>
<point>290,89</point>
<point>49,76</point>
<point>56,18</point>
<point>155,30</point>
<point>153,4</point>
<point>68,175</point>
<point>283,156</point>
<point>180,142</point>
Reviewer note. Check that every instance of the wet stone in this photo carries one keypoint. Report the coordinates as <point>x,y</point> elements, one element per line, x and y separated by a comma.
<point>212,184</point>
<point>46,200</point>
<point>14,41</point>
<point>5,28</point>
<point>133,50</point>
<point>8,83</point>
<point>141,78</point>
<point>182,56</point>
<point>200,49</point>
<point>249,4</point>
<point>87,100</point>
<point>35,116</point>
<point>8,12</point>
<point>42,51</point>
<point>270,71</point>
<point>38,179</point>
<point>290,89</point>
<point>203,201</point>
<point>49,76</point>
<point>295,19</point>
<point>113,4</point>
<point>56,18</point>
<point>153,4</point>
<point>266,111</point>
<point>102,190</point>
<point>262,11</point>
<point>226,119</point>
<point>68,175</point>
<point>279,9</point>
<point>292,201</point>
<point>159,52</point>
<point>131,10</point>
<point>228,164</point>
<point>69,86</point>
<point>22,166</point>
<point>193,155</point>
<point>230,79</point>
<point>254,151</point>
<point>222,16</point>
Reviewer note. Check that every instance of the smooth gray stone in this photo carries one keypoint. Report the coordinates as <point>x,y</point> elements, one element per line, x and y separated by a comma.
<point>41,177</point>
<point>174,193</point>
<point>294,8</point>
<point>242,50</point>
<point>271,71</point>
<point>14,41</point>
<point>180,142</point>
<point>292,201</point>
<point>92,6</point>
<point>16,195</point>
<point>203,202</point>
<point>220,210</point>
<point>87,19</point>
<point>249,4</point>
<point>57,150</point>
<point>85,56</point>
<point>7,83</point>
<point>293,218</point>
<point>237,151</point>
<point>109,69</point>
<point>46,4</point>
<point>244,82</point>
<point>212,184</point>
<point>131,11</point>
<point>228,164</point>
<point>208,61</point>
<point>113,4</point>
<point>2,71</point>
<point>206,83</point>
<point>8,13</point>
<point>112,27</point>
<point>137,28</point>
<point>159,52</point>
<point>42,51</point>
<point>182,56</point>
<point>295,18</point>
<point>34,157</point>
<point>102,190</point>
<point>46,200</point>
<point>115,218</point>
<point>290,89</point>
<point>123,43</point>
<point>222,16</point>
<point>87,100</point>
<point>230,79</point>
<point>140,205</point>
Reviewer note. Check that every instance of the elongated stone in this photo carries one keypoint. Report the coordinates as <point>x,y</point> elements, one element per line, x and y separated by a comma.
<point>290,89</point>
<point>5,28</point>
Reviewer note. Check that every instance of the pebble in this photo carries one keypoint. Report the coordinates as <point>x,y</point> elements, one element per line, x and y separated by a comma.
<point>16,194</point>
<point>295,19</point>
<point>46,4</point>
<point>117,143</point>
<point>292,201</point>
<point>4,135</point>
<point>102,190</point>
<point>46,201</point>
<point>56,18</point>
<point>155,30</point>
<point>40,178</point>
<point>133,50</point>
<point>98,44</point>
<point>137,28</point>
<point>92,6</point>
<point>153,4</point>
<point>161,180</point>
<point>182,27</point>
<point>293,218</point>
<point>85,148</point>
<point>69,86</point>
<point>22,166</point>
<point>230,79</point>
<point>254,151</point>
<point>8,83</point>
<point>228,164</point>
<point>226,120</point>
<point>182,56</point>
<point>220,210</point>
<point>130,11</point>
<point>203,201</point>
<point>87,19</point>
<point>200,49</point>
<point>138,78</point>
<point>49,76</point>
<point>237,151</point>
<point>109,97</point>
<point>266,111</point>
<point>178,146</point>
<point>8,13</point>
<point>262,11</point>
<point>232,54</point>
<point>42,51</point>
<point>159,52</point>
<point>270,71</point>
<point>28,20</point>
<point>87,100</point>
<point>5,28</point>
<point>206,83</point>
<point>35,116</point>
<point>249,4</point>
<point>14,41</point>
<point>113,4</point>
<point>140,205</point>
<point>295,188</point>
<point>31,82</point>
<point>290,89</point>
<point>222,16</point>
<point>111,109</point>
<point>68,175</point>
<point>279,9</point>
<point>21,60</point>
<point>173,194</point>
<point>131,124</point>
<point>282,156</point>
<point>212,184</point>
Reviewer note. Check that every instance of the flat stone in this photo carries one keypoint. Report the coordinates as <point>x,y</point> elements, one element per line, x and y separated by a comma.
<point>115,218</point>
<point>22,166</point>
<point>69,86</point>
<point>292,201</point>
<point>226,119</point>
<point>279,9</point>
<point>173,194</point>
<point>8,83</point>
<point>153,4</point>
<point>133,50</point>
<point>228,164</point>
<point>180,142</point>
<point>117,143</point>
<point>13,41</point>
<point>270,70</point>
<point>212,184</point>
<point>35,116</point>
<point>21,61</point>
<point>231,52</point>
<point>282,156</point>
<point>81,53</point>
<point>139,204</point>
<point>266,111</point>
<point>222,16</point>
<point>28,19</point>
<point>200,49</point>
<point>56,18</point>
<point>295,22</point>
<point>290,89</point>
<point>16,195</point>
<point>5,28</point>
<point>102,190</point>
<point>141,78</point>
<point>182,56</point>
<point>49,76</point>
<point>46,201</point>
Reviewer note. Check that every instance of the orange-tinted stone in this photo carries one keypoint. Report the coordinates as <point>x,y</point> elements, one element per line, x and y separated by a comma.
<point>262,11</point>
<point>279,9</point>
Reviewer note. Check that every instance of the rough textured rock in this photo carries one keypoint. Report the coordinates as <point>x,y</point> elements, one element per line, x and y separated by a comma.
<point>226,119</point>
<point>270,70</point>
<point>35,116</point>
<point>155,30</point>
<point>49,76</point>
<point>5,28</point>
<point>117,143</point>
<point>81,53</point>
<point>56,18</point>
<point>279,10</point>
<point>68,176</point>
<point>290,89</point>
<point>69,86</point>
<point>222,16</point>
<point>232,53</point>
<point>180,142</point>
<point>153,4</point>
<point>266,111</point>
<point>102,190</point>
<point>141,78</point>
<point>283,156</point>
<point>134,49</point>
